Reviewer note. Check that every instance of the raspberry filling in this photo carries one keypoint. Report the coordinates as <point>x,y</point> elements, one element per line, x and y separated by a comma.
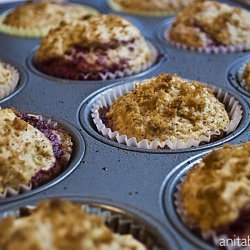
<point>43,175</point>
<point>76,64</point>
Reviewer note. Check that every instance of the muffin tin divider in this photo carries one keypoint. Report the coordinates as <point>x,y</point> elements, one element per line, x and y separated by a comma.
<point>126,178</point>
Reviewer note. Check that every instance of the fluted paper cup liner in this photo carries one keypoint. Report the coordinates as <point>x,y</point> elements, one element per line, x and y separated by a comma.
<point>119,223</point>
<point>42,176</point>
<point>240,77</point>
<point>8,88</point>
<point>105,100</point>
<point>220,49</point>
<point>117,7</point>
<point>210,236</point>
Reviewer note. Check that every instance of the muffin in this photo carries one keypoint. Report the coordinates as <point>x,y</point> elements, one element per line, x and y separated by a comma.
<point>211,24</point>
<point>9,78</point>
<point>165,111</point>
<point>32,151</point>
<point>35,19</point>
<point>215,195</point>
<point>60,225</point>
<point>99,47</point>
<point>149,7</point>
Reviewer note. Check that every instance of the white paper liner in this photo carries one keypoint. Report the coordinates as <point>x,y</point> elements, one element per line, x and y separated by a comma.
<point>221,49</point>
<point>24,188</point>
<point>240,77</point>
<point>208,236</point>
<point>106,99</point>
<point>118,7</point>
<point>117,222</point>
<point>8,88</point>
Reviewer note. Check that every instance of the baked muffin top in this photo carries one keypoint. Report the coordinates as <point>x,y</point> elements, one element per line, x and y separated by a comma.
<point>62,225</point>
<point>153,5</point>
<point>211,23</point>
<point>101,31</point>
<point>5,74</point>
<point>217,188</point>
<point>45,14</point>
<point>24,150</point>
<point>167,107</point>
<point>246,75</point>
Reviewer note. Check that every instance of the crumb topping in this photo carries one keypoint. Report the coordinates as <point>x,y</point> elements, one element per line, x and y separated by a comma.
<point>45,14</point>
<point>246,75</point>
<point>211,23</point>
<point>109,33</point>
<point>24,150</point>
<point>167,107</point>
<point>216,189</point>
<point>5,75</point>
<point>153,5</point>
<point>62,225</point>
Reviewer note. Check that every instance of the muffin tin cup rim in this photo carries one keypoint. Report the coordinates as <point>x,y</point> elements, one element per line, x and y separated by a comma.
<point>85,109</point>
<point>77,155</point>
<point>139,216</point>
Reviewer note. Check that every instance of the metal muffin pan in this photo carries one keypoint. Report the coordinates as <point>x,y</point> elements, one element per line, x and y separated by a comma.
<point>124,177</point>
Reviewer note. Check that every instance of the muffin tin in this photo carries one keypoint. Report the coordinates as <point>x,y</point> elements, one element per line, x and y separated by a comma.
<point>140,182</point>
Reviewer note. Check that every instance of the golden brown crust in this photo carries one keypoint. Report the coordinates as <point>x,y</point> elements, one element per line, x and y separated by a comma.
<point>167,107</point>
<point>209,22</point>
<point>246,75</point>
<point>61,225</point>
<point>216,189</point>
<point>45,14</point>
